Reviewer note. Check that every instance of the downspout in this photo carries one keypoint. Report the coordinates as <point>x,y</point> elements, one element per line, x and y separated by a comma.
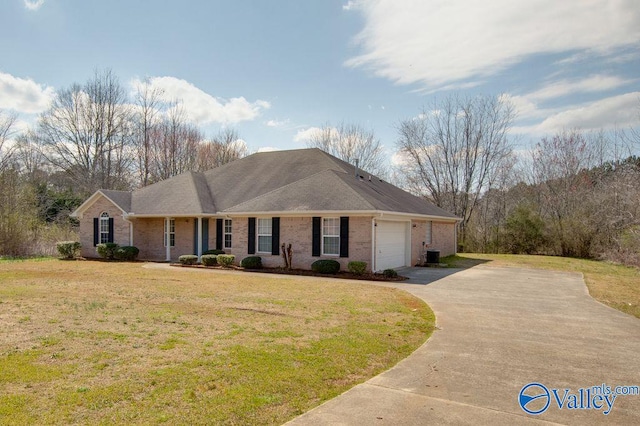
<point>373,244</point>
<point>130,229</point>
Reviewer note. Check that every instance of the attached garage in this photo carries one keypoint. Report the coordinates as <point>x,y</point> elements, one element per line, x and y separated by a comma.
<point>392,244</point>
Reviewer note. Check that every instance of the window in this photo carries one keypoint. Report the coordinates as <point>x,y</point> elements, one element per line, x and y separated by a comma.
<point>104,227</point>
<point>227,233</point>
<point>331,236</point>
<point>264,235</point>
<point>172,233</point>
<point>427,239</point>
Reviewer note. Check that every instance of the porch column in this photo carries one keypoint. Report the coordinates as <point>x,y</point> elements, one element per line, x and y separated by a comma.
<point>200,232</point>
<point>167,239</point>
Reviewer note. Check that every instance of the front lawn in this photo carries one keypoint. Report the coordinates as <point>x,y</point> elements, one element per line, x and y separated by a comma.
<point>614,285</point>
<point>89,342</point>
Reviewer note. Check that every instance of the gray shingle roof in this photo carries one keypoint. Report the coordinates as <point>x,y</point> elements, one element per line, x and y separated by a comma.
<point>121,198</point>
<point>304,180</point>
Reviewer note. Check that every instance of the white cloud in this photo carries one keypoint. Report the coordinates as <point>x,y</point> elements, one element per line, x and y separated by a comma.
<point>349,5</point>
<point>307,134</point>
<point>203,108</point>
<point>435,44</point>
<point>24,95</point>
<point>277,123</point>
<point>528,106</point>
<point>594,83</point>
<point>607,113</point>
<point>33,4</point>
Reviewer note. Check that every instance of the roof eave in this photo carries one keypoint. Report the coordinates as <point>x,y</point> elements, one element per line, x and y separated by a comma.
<point>77,213</point>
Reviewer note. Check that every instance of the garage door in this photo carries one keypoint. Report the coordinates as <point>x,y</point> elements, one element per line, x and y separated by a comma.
<point>390,244</point>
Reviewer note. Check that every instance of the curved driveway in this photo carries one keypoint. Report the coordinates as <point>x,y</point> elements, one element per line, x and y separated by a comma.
<point>498,330</point>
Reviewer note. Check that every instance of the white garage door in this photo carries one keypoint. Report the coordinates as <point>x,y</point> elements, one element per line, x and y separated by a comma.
<point>390,244</point>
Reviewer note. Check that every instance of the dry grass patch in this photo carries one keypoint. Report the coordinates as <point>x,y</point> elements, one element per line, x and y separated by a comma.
<point>614,285</point>
<point>94,342</point>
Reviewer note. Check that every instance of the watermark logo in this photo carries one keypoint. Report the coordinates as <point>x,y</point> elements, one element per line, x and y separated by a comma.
<point>535,398</point>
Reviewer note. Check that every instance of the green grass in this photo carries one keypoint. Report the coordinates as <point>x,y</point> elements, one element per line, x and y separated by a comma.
<point>107,343</point>
<point>614,285</point>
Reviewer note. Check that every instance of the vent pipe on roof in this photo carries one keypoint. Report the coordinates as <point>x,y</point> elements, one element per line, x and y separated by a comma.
<point>356,170</point>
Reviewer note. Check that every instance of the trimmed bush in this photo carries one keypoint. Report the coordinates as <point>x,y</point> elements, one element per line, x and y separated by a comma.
<point>209,259</point>
<point>252,262</point>
<point>188,259</point>
<point>226,260</point>
<point>356,267</point>
<point>107,250</point>
<point>127,253</point>
<point>216,252</point>
<point>326,266</point>
<point>68,249</point>
<point>390,273</point>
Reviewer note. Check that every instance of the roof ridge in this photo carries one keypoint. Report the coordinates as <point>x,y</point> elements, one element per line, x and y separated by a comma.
<point>266,194</point>
<point>348,184</point>
<point>199,175</point>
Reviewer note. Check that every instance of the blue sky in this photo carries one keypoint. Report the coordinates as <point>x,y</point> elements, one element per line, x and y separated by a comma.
<point>276,70</point>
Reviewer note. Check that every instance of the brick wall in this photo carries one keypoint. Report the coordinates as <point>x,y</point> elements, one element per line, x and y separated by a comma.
<point>298,232</point>
<point>120,226</point>
<point>442,238</point>
<point>148,236</point>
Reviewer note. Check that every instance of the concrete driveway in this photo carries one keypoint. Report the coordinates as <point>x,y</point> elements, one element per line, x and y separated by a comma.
<point>500,329</point>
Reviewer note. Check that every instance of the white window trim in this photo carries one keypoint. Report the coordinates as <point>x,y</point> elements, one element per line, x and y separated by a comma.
<point>322,235</point>
<point>225,233</point>
<point>104,223</point>
<point>258,234</point>
<point>172,224</point>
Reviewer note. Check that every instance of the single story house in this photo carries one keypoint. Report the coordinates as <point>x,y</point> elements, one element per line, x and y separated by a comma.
<point>322,206</point>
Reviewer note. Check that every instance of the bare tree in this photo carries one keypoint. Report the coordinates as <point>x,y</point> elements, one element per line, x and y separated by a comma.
<point>7,122</point>
<point>175,145</point>
<point>87,132</point>
<point>456,151</point>
<point>225,147</point>
<point>149,104</point>
<point>351,142</point>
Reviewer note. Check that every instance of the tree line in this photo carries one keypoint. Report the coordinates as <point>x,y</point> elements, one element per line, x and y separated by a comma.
<point>94,136</point>
<point>573,194</point>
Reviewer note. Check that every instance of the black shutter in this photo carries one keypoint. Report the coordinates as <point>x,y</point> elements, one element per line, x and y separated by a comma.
<point>219,234</point>
<point>110,230</point>
<point>195,236</point>
<point>205,235</point>
<point>251,249</point>
<point>344,236</point>
<point>275,236</point>
<point>96,231</point>
<point>315,242</point>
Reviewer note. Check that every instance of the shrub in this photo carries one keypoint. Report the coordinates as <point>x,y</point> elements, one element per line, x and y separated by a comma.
<point>226,260</point>
<point>326,266</point>
<point>188,259</point>
<point>127,253</point>
<point>107,250</point>
<point>390,273</point>
<point>356,267</point>
<point>252,262</point>
<point>216,252</point>
<point>68,249</point>
<point>209,259</point>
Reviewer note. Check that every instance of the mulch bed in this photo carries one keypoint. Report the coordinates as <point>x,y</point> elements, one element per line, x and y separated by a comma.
<point>342,275</point>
